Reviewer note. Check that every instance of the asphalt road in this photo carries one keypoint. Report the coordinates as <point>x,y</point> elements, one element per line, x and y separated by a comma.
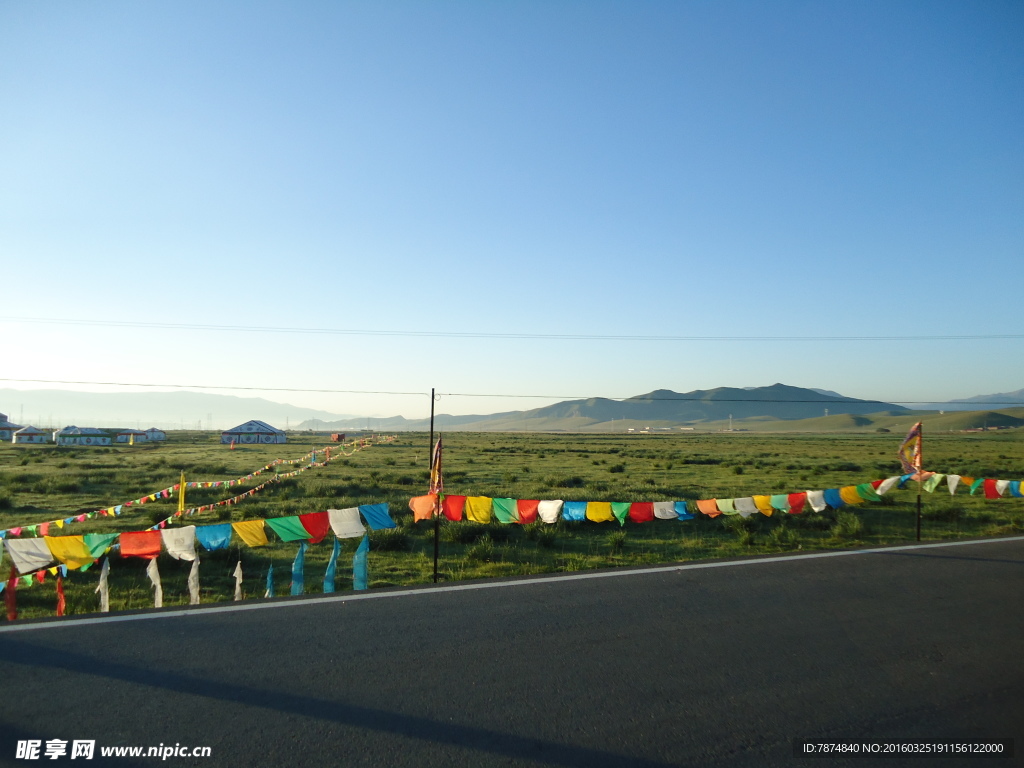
<point>705,667</point>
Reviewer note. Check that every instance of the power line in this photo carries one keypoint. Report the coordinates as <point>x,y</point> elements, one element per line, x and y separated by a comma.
<point>639,399</point>
<point>507,336</point>
<point>214,386</point>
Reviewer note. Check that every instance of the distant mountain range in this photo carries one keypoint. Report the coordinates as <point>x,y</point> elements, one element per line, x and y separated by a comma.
<point>1002,400</point>
<point>659,408</point>
<point>166,410</point>
<point>663,408</point>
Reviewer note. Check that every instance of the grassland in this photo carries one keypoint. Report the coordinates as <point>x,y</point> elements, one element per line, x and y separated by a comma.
<point>42,483</point>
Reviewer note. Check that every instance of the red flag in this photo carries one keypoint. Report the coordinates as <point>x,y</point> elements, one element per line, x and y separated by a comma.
<point>10,598</point>
<point>318,525</point>
<point>796,502</point>
<point>641,511</point>
<point>452,507</point>
<point>527,509</point>
<point>61,604</point>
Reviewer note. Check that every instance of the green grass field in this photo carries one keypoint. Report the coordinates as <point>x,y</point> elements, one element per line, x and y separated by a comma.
<point>38,484</point>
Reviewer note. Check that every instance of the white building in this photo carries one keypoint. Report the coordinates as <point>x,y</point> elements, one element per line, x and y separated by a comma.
<point>126,435</point>
<point>30,435</point>
<point>7,429</point>
<point>155,434</point>
<point>254,431</point>
<point>88,436</point>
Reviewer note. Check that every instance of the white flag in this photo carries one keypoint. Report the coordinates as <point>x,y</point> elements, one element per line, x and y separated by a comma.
<point>238,580</point>
<point>158,590</point>
<point>104,587</point>
<point>193,583</point>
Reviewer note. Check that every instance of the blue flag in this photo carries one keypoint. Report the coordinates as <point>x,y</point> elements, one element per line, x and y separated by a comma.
<point>360,576</point>
<point>214,536</point>
<point>332,567</point>
<point>377,516</point>
<point>574,510</point>
<point>270,581</point>
<point>833,499</point>
<point>299,570</point>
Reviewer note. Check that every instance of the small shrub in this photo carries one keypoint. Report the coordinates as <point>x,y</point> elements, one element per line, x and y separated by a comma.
<point>499,532</point>
<point>483,551</point>
<point>573,481</point>
<point>617,542</point>
<point>737,470</point>
<point>389,540</point>
<point>741,527</point>
<point>847,526</point>
<point>950,514</point>
<point>6,502</point>
<point>574,562</point>
<point>462,533</point>
<point>617,469</point>
<point>543,534</point>
<point>811,521</point>
<point>781,536</point>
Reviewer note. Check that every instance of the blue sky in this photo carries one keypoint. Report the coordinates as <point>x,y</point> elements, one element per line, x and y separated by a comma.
<point>608,168</point>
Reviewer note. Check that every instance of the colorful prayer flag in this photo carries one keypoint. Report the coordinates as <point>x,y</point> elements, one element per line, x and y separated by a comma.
<point>910,450</point>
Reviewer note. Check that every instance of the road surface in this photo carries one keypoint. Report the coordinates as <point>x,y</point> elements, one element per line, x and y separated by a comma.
<point>701,666</point>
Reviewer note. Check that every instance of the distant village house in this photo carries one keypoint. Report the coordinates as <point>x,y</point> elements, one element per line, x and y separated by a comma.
<point>87,436</point>
<point>7,429</point>
<point>130,436</point>
<point>30,435</point>
<point>254,431</point>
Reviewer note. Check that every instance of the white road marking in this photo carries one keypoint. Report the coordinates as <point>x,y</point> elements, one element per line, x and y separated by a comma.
<point>70,622</point>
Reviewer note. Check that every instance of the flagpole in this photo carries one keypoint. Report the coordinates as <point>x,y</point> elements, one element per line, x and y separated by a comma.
<point>920,480</point>
<point>437,518</point>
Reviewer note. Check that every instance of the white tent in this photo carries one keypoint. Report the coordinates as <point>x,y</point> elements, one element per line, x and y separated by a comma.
<point>30,435</point>
<point>155,434</point>
<point>126,435</point>
<point>7,428</point>
<point>88,436</point>
<point>254,431</point>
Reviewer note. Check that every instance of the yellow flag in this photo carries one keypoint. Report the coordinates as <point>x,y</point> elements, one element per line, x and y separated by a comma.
<point>181,493</point>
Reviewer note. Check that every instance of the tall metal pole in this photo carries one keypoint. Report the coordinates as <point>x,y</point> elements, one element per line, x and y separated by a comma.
<point>437,519</point>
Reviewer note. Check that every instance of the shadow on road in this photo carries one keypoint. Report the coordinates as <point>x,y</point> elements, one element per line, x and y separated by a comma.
<point>934,556</point>
<point>411,726</point>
